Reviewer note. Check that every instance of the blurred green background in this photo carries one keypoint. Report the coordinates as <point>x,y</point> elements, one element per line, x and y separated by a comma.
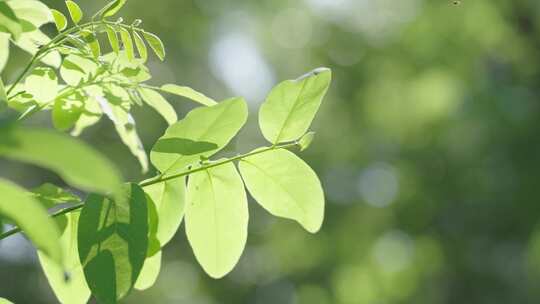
<point>426,146</point>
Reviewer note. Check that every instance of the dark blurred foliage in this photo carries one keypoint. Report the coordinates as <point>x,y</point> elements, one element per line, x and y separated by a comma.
<point>426,146</point>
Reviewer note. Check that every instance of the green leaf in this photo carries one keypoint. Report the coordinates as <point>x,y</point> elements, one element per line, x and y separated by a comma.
<point>291,106</point>
<point>285,186</point>
<point>42,83</point>
<point>160,104</point>
<point>59,19</point>
<point>32,41</point>
<point>4,50</point>
<point>51,195</point>
<point>90,115</point>
<point>306,140</point>
<point>66,112</point>
<point>203,132</point>
<point>113,39</point>
<point>32,218</point>
<point>92,41</point>
<point>127,42</point>
<point>74,11</point>
<point>156,44</point>
<point>188,93</point>
<point>217,218</point>
<point>113,240</point>
<point>141,46</point>
<point>112,8</point>
<point>169,198</point>
<point>3,96</point>
<point>34,12</point>
<point>9,20</point>
<point>74,289</point>
<point>76,69</point>
<point>77,163</point>
<point>4,301</point>
<point>149,272</point>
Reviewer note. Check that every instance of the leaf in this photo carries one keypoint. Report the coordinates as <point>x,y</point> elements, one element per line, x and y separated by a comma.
<point>59,20</point>
<point>160,104</point>
<point>285,186</point>
<point>31,42</point>
<point>217,218</point>
<point>65,113</point>
<point>203,132</point>
<point>4,50</point>
<point>92,41</point>
<point>32,218</point>
<point>169,198</point>
<point>76,69</point>
<point>4,301</point>
<point>112,8</point>
<point>188,93</point>
<point>3,96</point>
<point>90,115</point>
<point>77,163</point>
<point>74,289</point>
<point>74,11</point>
<point>34,12</point>
<point>141,46</point>
<point>156,44</point>
<point>50,195</point>
<point>9,20</point>
<point>306,140</point>
<point>42,83</point>
<point>149,272</point>
<point>113,39</point>
<point>113,240</point>
<point>291,106</point>
<point>127,42</point>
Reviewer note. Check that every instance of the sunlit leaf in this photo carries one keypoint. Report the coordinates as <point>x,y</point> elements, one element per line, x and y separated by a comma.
<point>67,282</point>
<point>59,20</point>
<point>4,301</point>
<point>90,115</point>
<point>203,132</point>
<point>65,113</point>
<point>156,44</point>
<point>32,41</point>
<point>113,241</point>
<point>3,96</point>
<point>92,41</point>
<point>42,83</point>
<point>76,68</point>
<point>31,217</point>
<point>306,140</point>
<point>74,11</point>
<point>35,12</point>
<point>160,104</point>
<point>112,8</point>
<point>188,93</point>
<point>291,106</point>
<point>4,50</point>
<point>50,195</point>
<point>141,46</point>
<point>285,186</point>
<point>127,42</point>
<point>9,20</point>
<point>149,273</point>
<point>113,39</point>
<point>77,163</point>
<point>217,218</point>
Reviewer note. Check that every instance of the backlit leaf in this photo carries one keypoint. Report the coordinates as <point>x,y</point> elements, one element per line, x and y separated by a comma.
<point>160,104</point>
<point>4,301</point>
<point>50,195</point>
<point>141,46</point>
<point>4,50</point>
<point>32,41</point>
<point>59,20</point>
<point>76,68</point>
<point>9,20</point>
<point>92,41</point>
<point>113,241</point>
<point>65,113</point>
<point>291,106</point>
<point>203,132</point>
<point>3,96</point>
<point>113,39</point>
<point>74,11</point>
<point>35,12</point>
<point>149,273</point>
<point>42,83</point>
<point>127,42</point>
<point>306,140</point>
<point>90,115</point>
<point>156,44</point>
<point>32,218</point>
<point>112,8</point>
<point>217,218</point>
<point>188,93</point>
<point>285,186</point>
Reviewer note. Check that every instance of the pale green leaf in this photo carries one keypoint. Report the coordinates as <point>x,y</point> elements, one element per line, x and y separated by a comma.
<point>66,113</point>
<point>113,241</point>
<point>50,195</point>
<point>285,186</point>
<point>76,162</point>
<point>291,106</point>
<point>59,19</point>
<point>92,41</point>
<point>31,42</point>
<point>160,104</point>
<point>35,12</point>
<point>306,140</point>
<point>127,42</point>
<point>76,69</point>
<point>74,11</point>
<point>113,39</point>
<point>112,8</point>
<point>31,217</point>
<point>4,50</point>
<point>42,83</point>
<point>188,93</point>
<point>3,96</point>
<point>67,282</point>
<point>149,273</point>
<point>4,301</point>
<point>156,44</point>
<point>141,46</point>
<point>169,198</point>
<point>203,132</point>
<point>9,20</point>
<point>90,115</point>
<point>217,218</point>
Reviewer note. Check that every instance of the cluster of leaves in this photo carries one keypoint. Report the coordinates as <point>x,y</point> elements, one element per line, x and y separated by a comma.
<point>111,242</point>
